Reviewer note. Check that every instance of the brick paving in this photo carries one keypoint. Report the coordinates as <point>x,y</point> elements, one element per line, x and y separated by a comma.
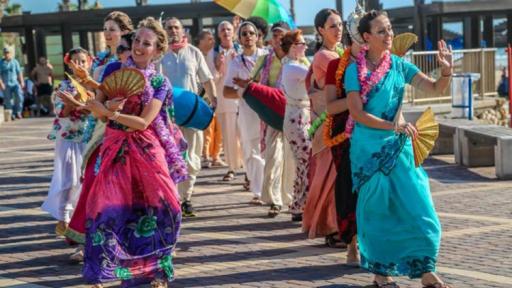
<point>233,244</point>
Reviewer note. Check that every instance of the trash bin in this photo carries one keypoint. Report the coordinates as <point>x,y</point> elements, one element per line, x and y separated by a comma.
<point>462,94</point>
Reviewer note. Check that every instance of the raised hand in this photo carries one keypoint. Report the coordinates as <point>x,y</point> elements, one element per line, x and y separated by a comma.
<point>68,99</point>
<point>444,57</point>
<point>78,70</point>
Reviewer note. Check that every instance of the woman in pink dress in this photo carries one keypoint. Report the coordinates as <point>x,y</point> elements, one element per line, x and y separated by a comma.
<point>320,210</point>
<point>133,212</point>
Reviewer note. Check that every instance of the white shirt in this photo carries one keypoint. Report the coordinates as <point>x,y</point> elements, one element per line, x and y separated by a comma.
<point>293,81</point>
<point>224,105</point>
<point>186,68</point>
<point>242,66</point>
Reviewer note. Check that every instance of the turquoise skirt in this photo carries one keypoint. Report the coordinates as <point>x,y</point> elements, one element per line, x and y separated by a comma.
<point>399,232</point>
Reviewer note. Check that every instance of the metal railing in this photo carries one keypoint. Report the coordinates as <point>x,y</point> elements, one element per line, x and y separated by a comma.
<point>465,61</point>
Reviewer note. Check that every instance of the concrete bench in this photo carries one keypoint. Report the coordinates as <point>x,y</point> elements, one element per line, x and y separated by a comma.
<point>447,141</point>
<point>487,146</point>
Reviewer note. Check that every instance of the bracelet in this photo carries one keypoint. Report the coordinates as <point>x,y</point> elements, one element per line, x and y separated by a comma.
<point>446,76</point>
<point>115,116</point>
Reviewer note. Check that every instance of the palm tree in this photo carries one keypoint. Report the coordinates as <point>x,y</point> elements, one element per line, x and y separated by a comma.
<point>3,4</point>
<point>13,9</point>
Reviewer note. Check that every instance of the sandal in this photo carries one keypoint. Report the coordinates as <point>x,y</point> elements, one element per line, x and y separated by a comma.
<point>230,176</point>
<point>77,256</point>
<point>386,284</point>
<point>437,285</point>
<point>247,184</point>
<point>332,242</point>
<point>256,201</point>
<point>274,211</point>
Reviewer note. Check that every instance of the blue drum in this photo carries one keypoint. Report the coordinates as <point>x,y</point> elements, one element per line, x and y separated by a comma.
<point>190,110</point>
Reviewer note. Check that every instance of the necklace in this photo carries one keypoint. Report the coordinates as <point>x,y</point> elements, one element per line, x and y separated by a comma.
<point>327,48</point>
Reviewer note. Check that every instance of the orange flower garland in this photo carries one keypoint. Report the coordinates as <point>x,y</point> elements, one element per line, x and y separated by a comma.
<point>328,140</point>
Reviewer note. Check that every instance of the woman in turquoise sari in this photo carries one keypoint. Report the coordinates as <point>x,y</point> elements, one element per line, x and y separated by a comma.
<point>399,232</point>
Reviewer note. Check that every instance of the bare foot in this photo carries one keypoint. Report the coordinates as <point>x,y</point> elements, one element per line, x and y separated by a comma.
<point>431,279</point>
<point>353,253</point>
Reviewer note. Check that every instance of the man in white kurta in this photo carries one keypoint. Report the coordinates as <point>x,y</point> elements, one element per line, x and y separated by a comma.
<point>248,120</point>
<point>186,67</point>
<point>221,57</point>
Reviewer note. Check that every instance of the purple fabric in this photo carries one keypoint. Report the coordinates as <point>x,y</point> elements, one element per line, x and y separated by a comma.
<point>177,165</point>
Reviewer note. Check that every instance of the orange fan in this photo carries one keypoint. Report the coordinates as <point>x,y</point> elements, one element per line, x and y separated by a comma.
<point>123,83</point>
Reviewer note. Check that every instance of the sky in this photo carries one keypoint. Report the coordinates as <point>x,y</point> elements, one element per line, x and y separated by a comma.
<point>303,10</point>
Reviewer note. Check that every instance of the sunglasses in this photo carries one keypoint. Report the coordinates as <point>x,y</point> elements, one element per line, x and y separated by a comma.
<point>121,49</point>
<point>250,33</point>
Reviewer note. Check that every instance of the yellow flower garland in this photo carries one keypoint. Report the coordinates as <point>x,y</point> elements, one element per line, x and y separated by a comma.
<point>330,141</point>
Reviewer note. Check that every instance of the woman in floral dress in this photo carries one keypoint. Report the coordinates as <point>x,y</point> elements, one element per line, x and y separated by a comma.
<point>67,131</point>
<point>133,211</point>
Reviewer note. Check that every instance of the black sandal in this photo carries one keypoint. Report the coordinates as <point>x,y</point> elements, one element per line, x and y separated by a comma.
<point>229,176</point>
<point>274,211</point>
<point>332,242</point>
<point>386,284</point>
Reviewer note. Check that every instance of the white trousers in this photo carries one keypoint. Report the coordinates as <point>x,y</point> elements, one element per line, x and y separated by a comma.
<point>279,162</point>
<point>249,125</point>
<point>231,140</point>
<point>65,186</point>
<point>194,139</point>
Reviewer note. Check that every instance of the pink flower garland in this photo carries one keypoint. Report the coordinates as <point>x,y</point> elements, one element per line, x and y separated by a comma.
<point>368,82</point>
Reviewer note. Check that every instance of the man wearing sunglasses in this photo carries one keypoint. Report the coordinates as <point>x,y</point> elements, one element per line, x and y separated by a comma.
<point>248,121</point>
<point>277,184</point>
<point>186,67</point>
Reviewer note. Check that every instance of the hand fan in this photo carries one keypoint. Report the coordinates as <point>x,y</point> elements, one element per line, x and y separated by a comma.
<point>82,92</point>
<point>402,43</point>
<point>428,131</point>
<point>123,83</point>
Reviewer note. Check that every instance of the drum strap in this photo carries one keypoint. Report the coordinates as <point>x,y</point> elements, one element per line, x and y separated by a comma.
<point>191,115</point>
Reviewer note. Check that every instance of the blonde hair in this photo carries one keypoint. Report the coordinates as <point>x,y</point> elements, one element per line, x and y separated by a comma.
<point>155,26</point>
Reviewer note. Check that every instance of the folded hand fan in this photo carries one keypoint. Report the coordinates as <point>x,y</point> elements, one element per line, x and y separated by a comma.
<point>82,92</point>
<point>428,131</point>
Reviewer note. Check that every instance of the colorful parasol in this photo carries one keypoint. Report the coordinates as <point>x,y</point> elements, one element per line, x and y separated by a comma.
<point>270,10</point>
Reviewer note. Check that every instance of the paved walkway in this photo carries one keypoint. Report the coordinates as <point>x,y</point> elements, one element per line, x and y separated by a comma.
<point>233,244</point>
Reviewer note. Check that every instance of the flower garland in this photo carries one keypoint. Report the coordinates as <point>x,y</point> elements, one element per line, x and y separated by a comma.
<point>316,124</point>
<point>318,121</point>
<point>367,83</point>
<point>327,131</point>
<point>161,124</point>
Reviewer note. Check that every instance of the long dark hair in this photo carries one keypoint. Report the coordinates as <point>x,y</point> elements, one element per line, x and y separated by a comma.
<point>320,20</point>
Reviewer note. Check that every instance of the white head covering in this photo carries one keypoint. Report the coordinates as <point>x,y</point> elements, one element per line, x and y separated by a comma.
<point>353,24</point>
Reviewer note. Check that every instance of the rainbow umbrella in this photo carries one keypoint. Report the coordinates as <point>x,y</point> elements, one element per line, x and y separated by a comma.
<point>270,10</point>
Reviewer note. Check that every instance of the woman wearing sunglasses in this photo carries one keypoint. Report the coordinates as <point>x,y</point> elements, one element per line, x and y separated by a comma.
<point>297,115</point>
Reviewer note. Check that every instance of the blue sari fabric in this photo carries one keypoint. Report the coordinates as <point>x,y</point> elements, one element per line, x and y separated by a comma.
<point>398,230</point>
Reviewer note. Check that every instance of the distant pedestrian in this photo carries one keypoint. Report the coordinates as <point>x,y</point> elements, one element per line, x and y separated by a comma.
<point>503,85</point>
<point>12,84</point>
<point>42,75</point>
